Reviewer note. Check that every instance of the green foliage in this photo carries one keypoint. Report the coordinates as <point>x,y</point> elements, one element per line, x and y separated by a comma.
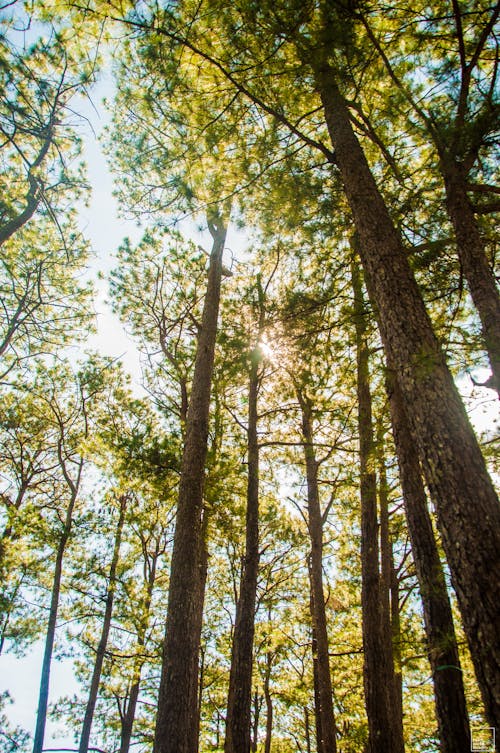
<point>45,304</point>
<point>219,102</point>
<point>12,739</point>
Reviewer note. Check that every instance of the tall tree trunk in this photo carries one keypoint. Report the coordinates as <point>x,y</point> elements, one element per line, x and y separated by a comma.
<point>471,252</point>
<point>449,695</point>
<point>257,700</point>
<point>202,581</point>
<point>468,512</point>
<point>238,719</point>
<point>128,718</point>
<point>325,726</point>
<point>389,587</point>
<point>396,637</point>
<point>178,695</point>
<point>269,704</point>
<point>385,731</point>
<point>43,697</point>
<point>307,729</point>
<point>314,651</point>
<point>106,626</point>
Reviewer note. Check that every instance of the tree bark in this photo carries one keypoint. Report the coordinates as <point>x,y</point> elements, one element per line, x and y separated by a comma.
<point>449,694</point>
<point>325,726</point>
<point>238,718</point>
<point>385,730</point>
<point>257,700</point>
<point>307,729</point>
<point>389,591</point>
<point>468,512</point>
<point>127,722</point>
<point>314,651</point>
<point>178,695</point>
<point>35,191</point>
<point>471,252</point>
<point>269,704</point>
<point>106,626</point>
<point>43,697</point>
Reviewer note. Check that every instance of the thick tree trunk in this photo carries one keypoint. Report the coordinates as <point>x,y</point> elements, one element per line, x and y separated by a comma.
<point>238,718</point>
<point>106,626</point>
<point>451,711</point>
<point>471,252</point>
<point>325,727</point>
<point>43,697</point>
<point>178,696</point>
<point>468,512</point>
<point>385,731</point>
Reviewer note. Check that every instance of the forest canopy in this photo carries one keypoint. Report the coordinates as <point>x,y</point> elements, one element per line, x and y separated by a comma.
<point>284,536</point>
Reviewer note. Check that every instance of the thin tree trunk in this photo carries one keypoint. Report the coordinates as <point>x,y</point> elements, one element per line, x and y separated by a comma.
<point>238,716</point>
<point>199,620</point>
<point>396,637</point>
<point>389,590</point>
<point>385,731</point>
<point>127,721</point>
<point>178,695</point>
<point>449,695</point>
<point>472,256</point>
<point>326,743</point>
<point>128,718</point>
<point>255,726</point>
<point>106,626</point>
<point>468,512</point>
<point>314,650</point>
<point>238,719</point>
<point>307,729</point>
<point>43,697</point>
<point>34,193</point>
<point>269,704</point>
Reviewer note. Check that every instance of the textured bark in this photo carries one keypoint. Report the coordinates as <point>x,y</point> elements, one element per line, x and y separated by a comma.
<point>43,697</point>
<point>317,702</point>
<point>177,719</point>
<point>238,719</point>
<point>449,695</point>
<point>106,626</point>
<point>472,255</point>
<point>385,731</point>
<point>325,725</point>
<point>468,512</point>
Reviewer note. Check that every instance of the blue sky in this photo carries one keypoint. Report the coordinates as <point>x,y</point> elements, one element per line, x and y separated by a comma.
<point>105,229</point>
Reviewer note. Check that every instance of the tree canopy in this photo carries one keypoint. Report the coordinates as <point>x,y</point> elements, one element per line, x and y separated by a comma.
<point>285,535</point>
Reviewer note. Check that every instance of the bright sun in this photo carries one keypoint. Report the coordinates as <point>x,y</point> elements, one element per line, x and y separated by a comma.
<point>267,350</point>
